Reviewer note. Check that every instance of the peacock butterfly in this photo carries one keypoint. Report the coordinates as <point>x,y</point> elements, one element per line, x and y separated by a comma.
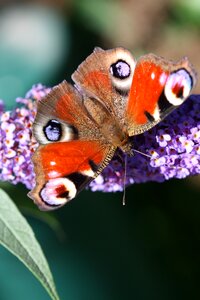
<point>80,127</point>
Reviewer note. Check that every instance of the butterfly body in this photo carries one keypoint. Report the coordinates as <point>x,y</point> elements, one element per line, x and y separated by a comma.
<point>80,127</point>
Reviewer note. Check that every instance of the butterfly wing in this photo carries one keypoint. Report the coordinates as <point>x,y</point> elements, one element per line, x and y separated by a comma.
<point>158,87</point>
<point>72,151</point>
<point>64,169</point>
<point>107,76</point>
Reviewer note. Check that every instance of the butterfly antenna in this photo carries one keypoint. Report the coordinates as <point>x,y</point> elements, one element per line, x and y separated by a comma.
<point>124,184</point>
<point>142,153</point>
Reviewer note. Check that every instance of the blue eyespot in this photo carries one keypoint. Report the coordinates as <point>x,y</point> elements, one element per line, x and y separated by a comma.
<point>120,69</point>
<point>53,131</point>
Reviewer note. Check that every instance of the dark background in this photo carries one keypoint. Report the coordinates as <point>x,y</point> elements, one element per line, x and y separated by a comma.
<point>96,247</point>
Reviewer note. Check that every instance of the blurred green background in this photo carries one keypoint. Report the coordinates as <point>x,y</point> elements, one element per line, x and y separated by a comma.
<point>97,248</point>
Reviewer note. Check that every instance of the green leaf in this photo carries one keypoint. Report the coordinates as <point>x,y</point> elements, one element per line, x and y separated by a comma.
<point>17,236</point>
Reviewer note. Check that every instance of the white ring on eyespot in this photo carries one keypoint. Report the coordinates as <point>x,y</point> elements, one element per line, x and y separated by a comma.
<point>124,84</point>
<point>68,133</point>
<point>48,193</point>
<point>40,123</point>
<point>183,78</point>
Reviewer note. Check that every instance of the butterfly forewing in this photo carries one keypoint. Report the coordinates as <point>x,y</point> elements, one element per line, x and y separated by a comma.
<point>158,87</point>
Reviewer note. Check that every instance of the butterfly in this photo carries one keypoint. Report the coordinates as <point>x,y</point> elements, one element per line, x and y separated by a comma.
<point>79,127</point>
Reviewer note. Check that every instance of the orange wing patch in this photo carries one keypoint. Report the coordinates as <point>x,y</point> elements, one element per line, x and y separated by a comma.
<point>62,159</point>
<point>147,85</point>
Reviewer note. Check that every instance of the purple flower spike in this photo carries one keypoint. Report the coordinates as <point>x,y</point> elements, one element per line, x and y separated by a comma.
<point>169,150</point>
<point>16,141</point>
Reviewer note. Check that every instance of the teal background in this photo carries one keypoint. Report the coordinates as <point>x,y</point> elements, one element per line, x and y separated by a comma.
<point>100,249</point>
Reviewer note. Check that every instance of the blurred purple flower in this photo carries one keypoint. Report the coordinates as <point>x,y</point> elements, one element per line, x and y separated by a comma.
<point>1,107</point>
<point>173,147</point>
<point>16,141</point>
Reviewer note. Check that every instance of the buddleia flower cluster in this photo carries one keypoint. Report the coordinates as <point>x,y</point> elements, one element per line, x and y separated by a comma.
<point>169,150</point>
<point>17,144</point>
